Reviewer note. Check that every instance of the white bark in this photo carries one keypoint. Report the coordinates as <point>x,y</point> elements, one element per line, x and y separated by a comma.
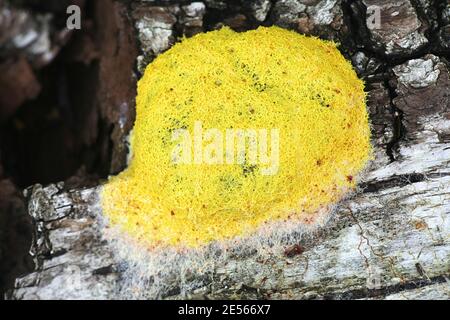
<point>391,240</point>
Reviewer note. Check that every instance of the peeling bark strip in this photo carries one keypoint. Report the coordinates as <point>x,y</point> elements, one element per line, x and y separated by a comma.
<point>391,240</point>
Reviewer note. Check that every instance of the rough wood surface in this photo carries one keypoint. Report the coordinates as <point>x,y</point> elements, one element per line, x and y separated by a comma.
<point>396,236</point>
<point>390,240</point>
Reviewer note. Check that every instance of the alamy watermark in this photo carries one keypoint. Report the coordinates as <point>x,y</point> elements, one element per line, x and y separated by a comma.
<point>231,146</point>
<point>74,20</point>
<point>373,17</point>
<point>73,280</point>
<point>374,279</point>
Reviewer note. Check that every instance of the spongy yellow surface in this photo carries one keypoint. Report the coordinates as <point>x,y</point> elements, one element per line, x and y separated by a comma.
<point>266,78</point>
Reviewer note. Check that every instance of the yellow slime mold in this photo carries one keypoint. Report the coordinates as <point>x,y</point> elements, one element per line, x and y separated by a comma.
<point>266,80</point>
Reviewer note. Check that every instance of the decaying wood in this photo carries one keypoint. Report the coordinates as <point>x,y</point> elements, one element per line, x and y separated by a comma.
<point>390,240</point>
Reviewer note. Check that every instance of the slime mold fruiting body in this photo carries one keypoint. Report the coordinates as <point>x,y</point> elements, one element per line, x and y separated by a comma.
<point>265,79</point>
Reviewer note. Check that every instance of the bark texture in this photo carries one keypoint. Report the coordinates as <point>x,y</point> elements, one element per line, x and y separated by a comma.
<point>390,240</point>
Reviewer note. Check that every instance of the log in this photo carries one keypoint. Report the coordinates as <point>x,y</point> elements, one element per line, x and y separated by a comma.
<point>391,240</point>
<point>388,240</point>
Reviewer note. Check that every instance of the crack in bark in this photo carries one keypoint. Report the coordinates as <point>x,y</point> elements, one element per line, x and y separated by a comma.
<point>391,289</point>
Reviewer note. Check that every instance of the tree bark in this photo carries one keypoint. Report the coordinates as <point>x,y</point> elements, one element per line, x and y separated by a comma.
<point>389,240</point>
